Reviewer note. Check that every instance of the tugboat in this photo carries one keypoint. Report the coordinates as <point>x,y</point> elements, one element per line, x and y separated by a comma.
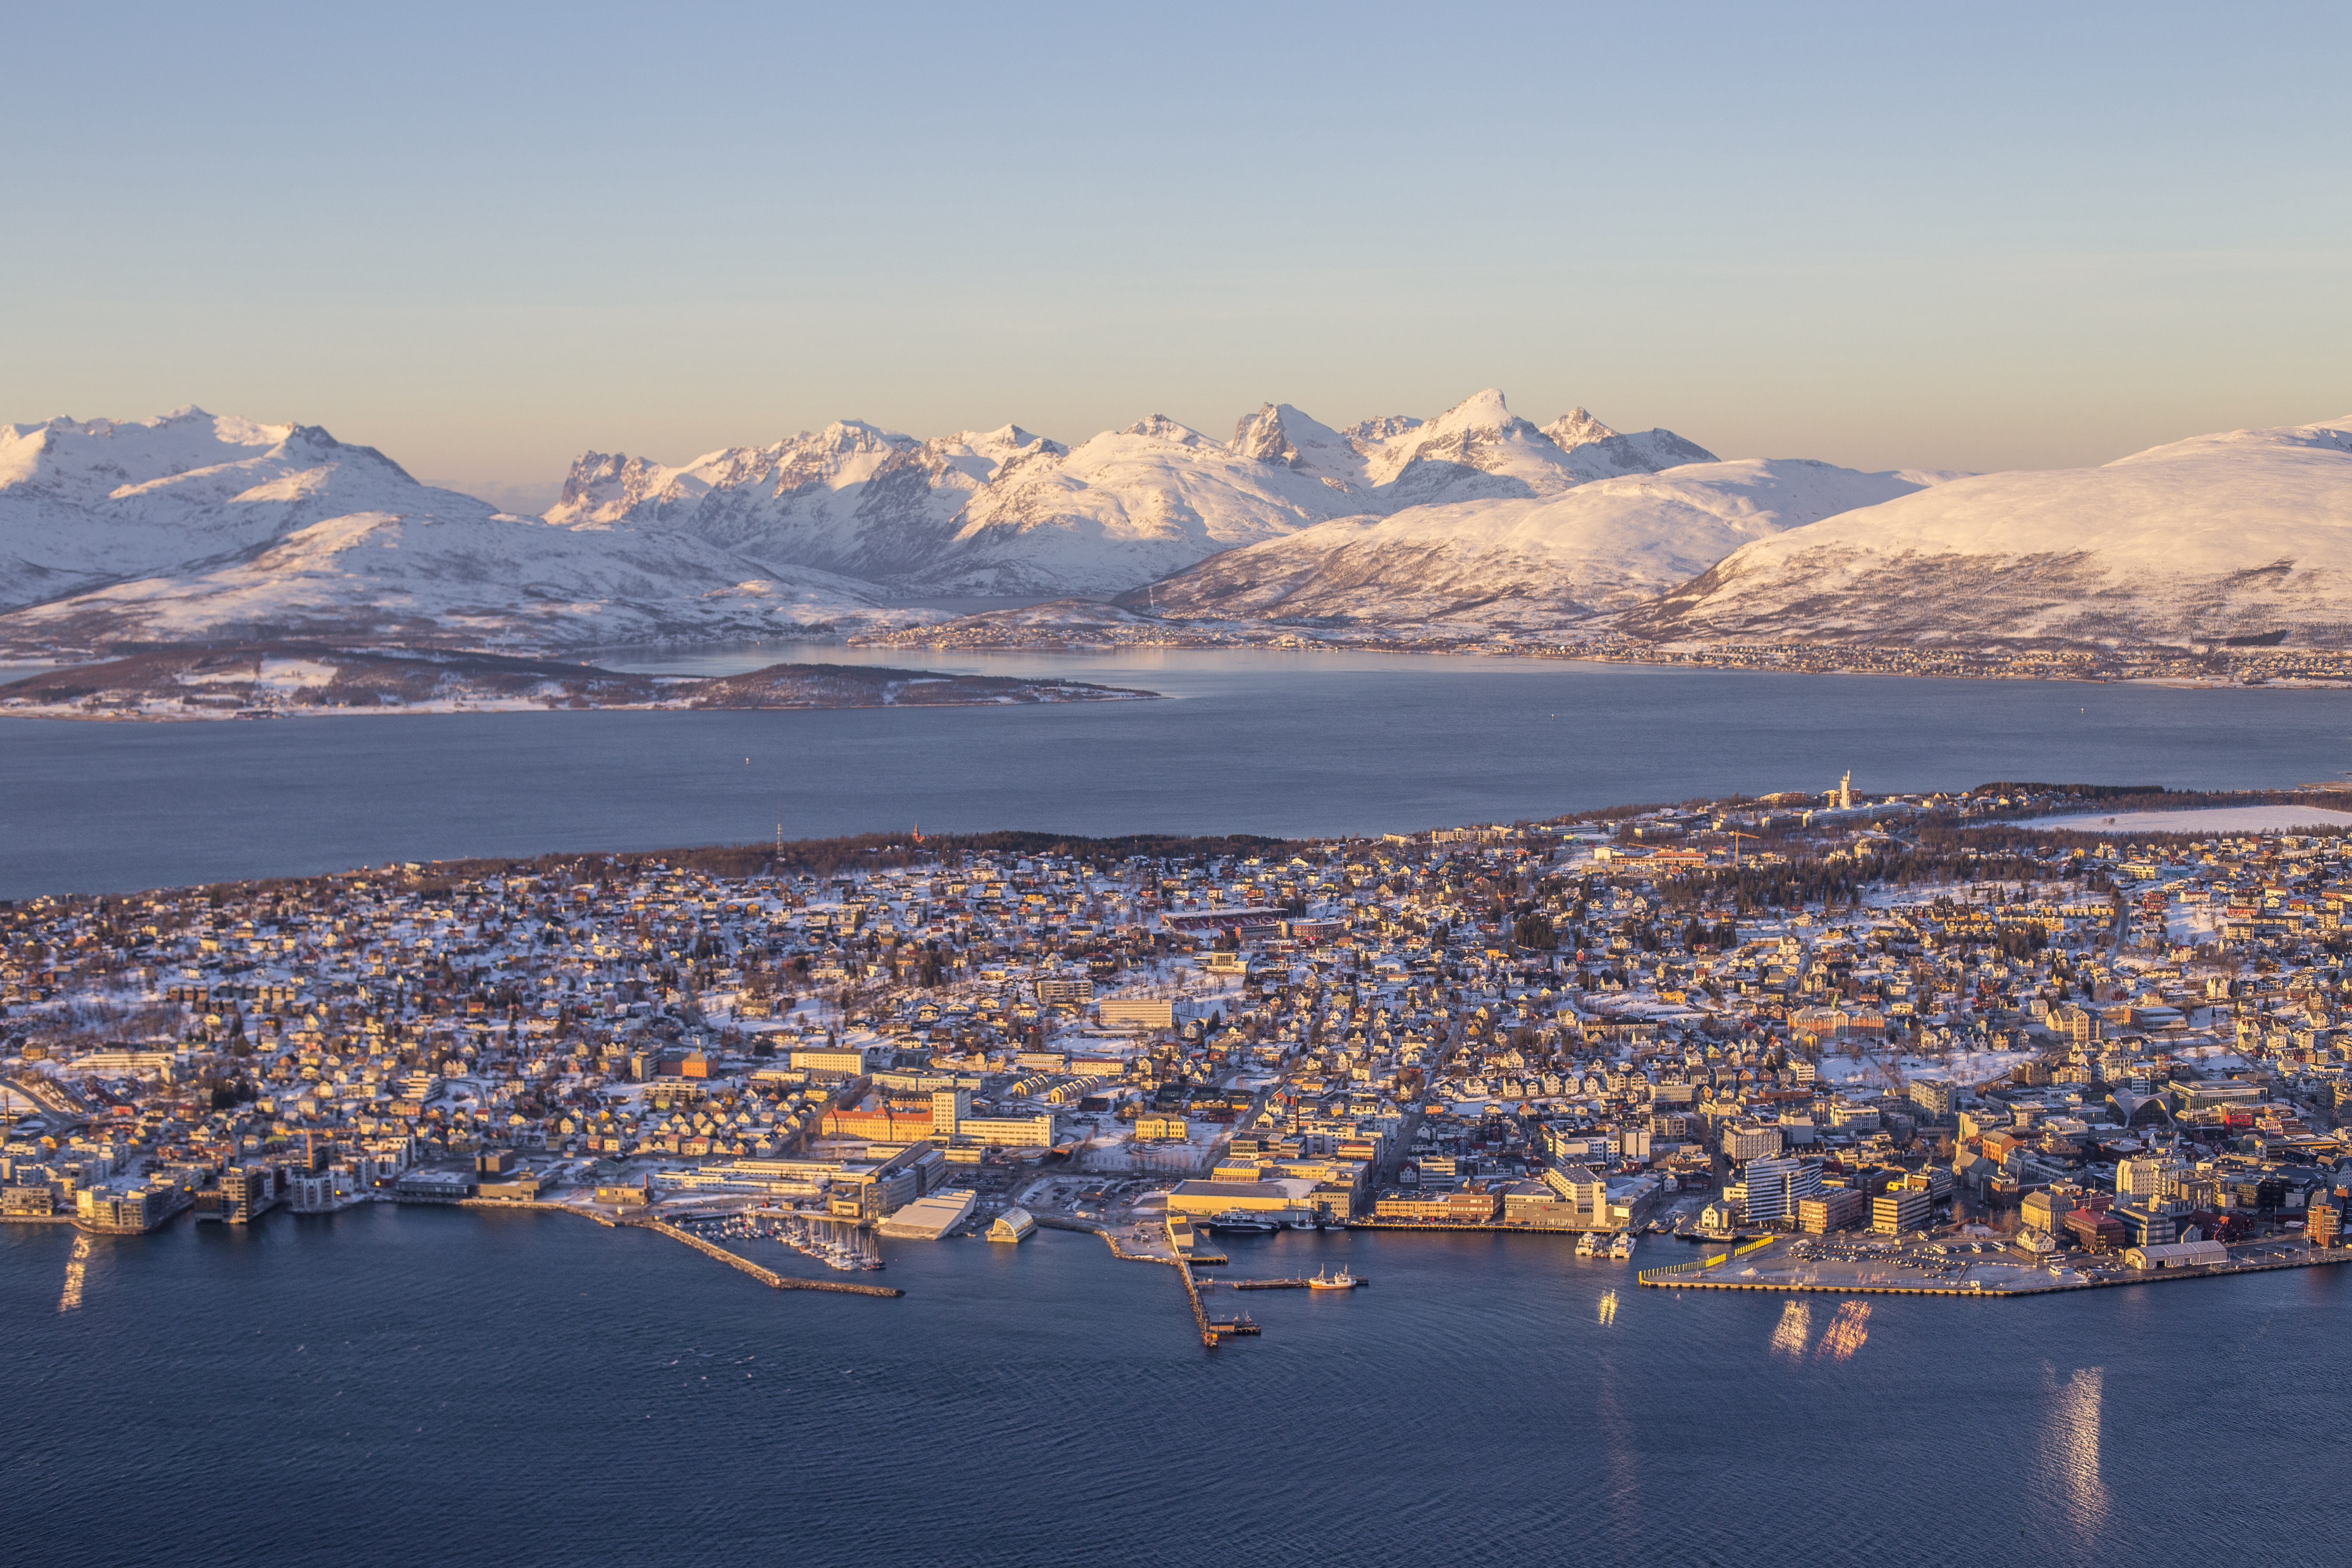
<point>1343,1280</point>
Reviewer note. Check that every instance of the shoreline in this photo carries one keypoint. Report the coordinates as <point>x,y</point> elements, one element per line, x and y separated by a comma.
<point>1665,1280</point>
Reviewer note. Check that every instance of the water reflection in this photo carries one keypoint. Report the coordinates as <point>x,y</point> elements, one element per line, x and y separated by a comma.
<point>2071,1447</point>
<point>76,1268</point>
<point>1847,1332</point>
<point>1795,1328</point>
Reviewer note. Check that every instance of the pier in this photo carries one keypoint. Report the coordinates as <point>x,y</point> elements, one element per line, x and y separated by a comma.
<point>1356,1283</point>
<point>1199,1313</point>
<point>767,1277</point>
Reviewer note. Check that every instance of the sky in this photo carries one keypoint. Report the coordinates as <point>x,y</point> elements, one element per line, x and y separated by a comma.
<point>487,238</point>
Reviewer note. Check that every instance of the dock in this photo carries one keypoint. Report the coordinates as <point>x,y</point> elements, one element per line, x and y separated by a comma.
<point>768,1277</point>
<point>1357,1283</point>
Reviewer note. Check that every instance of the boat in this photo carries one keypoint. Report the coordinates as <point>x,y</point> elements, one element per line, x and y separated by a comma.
<point>1588,1243</point>
<point>1235,1223</point>
<point>1343,1280</point>
<point>1224,1327</point>
<point>1622,1248</point>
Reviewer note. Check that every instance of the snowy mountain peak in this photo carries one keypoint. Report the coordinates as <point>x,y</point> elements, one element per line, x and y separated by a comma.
<point>1481,411</point>
<point>1477,450</point>
<point>1577,427</point>
<point>1278,433</point>
<point>1160,428</point>
<point>1261,435</point>
<point>1387,428</point>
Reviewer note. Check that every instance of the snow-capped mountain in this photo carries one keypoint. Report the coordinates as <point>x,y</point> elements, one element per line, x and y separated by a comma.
<point>1010,512</point>
<point>1522,561</point>
<point>2242,533</point>
<point>86,503</point>
<point>849,498</point>
<point>192,527</point>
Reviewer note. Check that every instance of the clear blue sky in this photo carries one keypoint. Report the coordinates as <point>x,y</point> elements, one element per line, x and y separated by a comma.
<point>487,238</point>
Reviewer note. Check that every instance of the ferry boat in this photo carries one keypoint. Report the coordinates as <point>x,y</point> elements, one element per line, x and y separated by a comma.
<point>1622,1248</point>
<point>1233,1222</point>
<point>1588,1243</point>
<point>1343,1280</point>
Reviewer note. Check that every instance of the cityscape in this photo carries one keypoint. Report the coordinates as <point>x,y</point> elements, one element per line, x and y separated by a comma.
<point>1180,786</point>
<point>1954,1044</point>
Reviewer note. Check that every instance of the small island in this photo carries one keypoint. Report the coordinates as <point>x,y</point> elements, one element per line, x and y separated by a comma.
<point>265,680</point>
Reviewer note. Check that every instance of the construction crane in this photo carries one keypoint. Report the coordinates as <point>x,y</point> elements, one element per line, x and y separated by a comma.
<point>1736,836</point>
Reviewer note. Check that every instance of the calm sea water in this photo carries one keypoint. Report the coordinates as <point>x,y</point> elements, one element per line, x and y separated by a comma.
<point>1250,742</point>
<point>431,1386</point>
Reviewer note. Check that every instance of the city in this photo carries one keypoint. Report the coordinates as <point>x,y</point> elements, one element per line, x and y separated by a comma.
<point>1841,1042</point>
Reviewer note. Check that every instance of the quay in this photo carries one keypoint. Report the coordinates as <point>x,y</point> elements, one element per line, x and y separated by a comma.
<point>1356,1283</point>
<point>1506,1228</point>
<point>767,1277</point>
<point>1686,1276</point>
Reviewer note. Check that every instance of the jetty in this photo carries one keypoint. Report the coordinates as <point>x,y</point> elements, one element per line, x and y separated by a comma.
<point>768,1277</point>
<point>1199,1313</point>
<point>1356,1283</point>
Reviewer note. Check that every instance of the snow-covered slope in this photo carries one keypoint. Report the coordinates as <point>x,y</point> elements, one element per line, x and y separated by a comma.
<point>1125,507</point>
<point>88,503</point>
<point>1009,512</point>
<point>192,527</point>
<point>850,498</point>
<point>1525,563</point>
<point>2234,535</point>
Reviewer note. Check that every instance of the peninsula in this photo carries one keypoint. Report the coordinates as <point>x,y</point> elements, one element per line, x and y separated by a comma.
<point>2006,1040</point>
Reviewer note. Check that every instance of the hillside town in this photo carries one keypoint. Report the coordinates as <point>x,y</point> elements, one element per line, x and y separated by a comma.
<point>2032,1057</point>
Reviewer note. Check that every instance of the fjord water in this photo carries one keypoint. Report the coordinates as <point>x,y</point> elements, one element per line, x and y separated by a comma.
<point>432,1385</point>
<point>1271,743</point>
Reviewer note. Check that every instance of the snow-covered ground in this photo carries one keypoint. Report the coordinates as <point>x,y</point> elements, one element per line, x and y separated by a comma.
<point>2203,819</point>
<point>1526,557</point>
<point>2242,532</point>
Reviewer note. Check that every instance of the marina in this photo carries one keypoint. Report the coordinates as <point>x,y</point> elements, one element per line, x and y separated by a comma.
<point>767,1277</point>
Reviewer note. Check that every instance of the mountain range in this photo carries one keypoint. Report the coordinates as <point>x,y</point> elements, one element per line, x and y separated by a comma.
<point>192,528</point>
<point>1010,512</point>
